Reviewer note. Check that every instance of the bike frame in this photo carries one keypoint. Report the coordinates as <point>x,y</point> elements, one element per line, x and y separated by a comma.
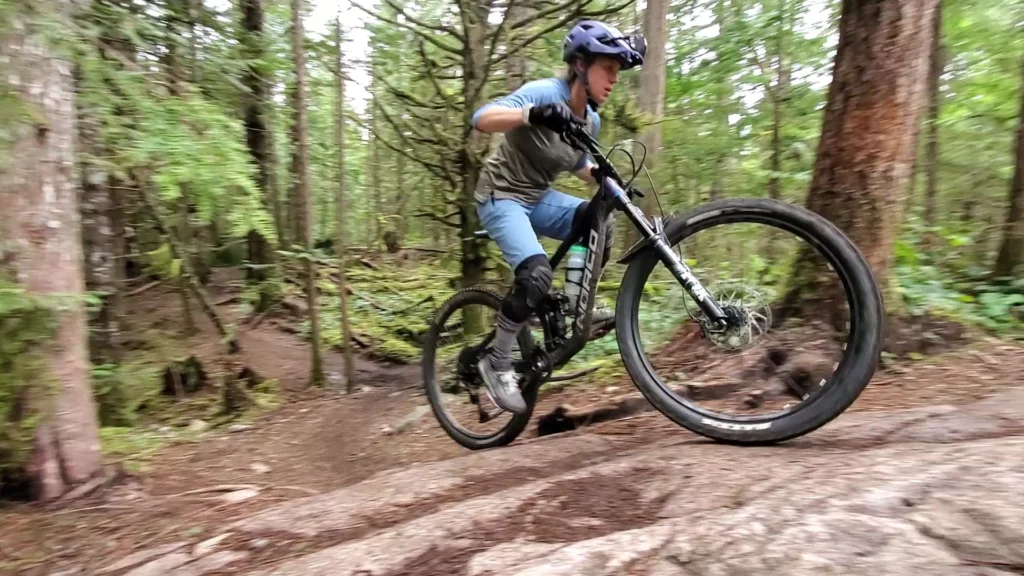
<point>592,232</point>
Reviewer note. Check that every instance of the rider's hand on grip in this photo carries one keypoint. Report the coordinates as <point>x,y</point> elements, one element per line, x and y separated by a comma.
<point>555,116</point>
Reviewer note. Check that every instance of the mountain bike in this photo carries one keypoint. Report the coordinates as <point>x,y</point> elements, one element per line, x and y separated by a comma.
<point>735,332</point>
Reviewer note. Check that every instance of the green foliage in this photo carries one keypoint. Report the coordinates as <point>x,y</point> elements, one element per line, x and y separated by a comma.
<point>175,138</point>
<point>26,322</point>
<point>395,333</point>
<point>953,286</point>
<point>131,445</point>
<point>120,390</point>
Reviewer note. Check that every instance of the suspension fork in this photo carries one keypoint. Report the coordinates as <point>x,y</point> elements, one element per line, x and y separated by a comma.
<point>654,237</point>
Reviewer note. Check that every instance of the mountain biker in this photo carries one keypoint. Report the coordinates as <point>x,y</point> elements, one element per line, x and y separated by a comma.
<point>513,196</point>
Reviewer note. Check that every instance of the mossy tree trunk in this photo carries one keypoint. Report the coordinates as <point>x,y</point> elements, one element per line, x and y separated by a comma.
<point>41,243</point>
<point>303,205</point>
<point>868,135</point>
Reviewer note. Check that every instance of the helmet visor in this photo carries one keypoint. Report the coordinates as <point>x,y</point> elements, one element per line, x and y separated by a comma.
<point>635,42</point>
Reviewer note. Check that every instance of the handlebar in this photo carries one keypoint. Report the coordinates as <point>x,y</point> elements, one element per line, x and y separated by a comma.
<point>577,136</point>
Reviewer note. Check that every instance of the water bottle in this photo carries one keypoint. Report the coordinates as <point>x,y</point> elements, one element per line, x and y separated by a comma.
<point>574,273</point>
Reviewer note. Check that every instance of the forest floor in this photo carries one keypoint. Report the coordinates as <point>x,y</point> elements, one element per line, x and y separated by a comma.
<point>187,482</point>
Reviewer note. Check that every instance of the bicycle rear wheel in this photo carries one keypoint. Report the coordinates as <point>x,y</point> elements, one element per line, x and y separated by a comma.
<point>809,329</point>
<point>456,339</point>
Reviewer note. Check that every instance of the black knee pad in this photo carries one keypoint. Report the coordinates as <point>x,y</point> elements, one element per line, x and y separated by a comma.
<point>532,282</point>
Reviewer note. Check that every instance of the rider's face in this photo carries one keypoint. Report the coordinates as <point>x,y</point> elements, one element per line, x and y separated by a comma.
<point>602,76</point>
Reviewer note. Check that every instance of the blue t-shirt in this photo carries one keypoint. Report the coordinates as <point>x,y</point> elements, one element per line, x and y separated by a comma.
<point>527,159</point>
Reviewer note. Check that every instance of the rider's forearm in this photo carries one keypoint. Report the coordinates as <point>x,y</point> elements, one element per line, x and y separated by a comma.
<point>500,119</point>
<point>586,174</point>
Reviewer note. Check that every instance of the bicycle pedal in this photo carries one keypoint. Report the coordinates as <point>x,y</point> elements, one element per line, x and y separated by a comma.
<point>600,330</point>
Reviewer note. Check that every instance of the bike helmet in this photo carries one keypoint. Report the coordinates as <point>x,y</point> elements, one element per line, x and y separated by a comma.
<point>591,38</point>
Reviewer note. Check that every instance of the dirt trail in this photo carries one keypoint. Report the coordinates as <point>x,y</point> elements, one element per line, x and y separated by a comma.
<point>886,492</point>
<point>281,356</point>
<point>328,490</point>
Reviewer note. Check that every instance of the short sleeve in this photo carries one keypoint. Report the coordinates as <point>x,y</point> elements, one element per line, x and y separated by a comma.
<point>537,92</point>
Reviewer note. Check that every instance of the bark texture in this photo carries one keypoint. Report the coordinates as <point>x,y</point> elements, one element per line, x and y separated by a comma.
<point>99,242</point>
<point>1011,252</point>
<point>339,139</point>
<point>868,137</point>
<point>936,65</point>
<point>303,211</point>
<point>652,93</point>
<point>257,126</point>
<point>474,67</point>
<point>41,244</point>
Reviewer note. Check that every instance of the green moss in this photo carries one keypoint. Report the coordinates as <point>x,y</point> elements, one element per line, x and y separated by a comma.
<point>26,322</point>
<point>266,394</point>
<point>120,390</point>
<point>133,446</point>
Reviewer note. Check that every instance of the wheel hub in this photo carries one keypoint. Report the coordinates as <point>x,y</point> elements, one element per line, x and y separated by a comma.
<point>748,318</point>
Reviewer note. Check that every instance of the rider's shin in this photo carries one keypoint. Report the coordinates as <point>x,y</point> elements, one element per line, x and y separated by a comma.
<point>504,338</point>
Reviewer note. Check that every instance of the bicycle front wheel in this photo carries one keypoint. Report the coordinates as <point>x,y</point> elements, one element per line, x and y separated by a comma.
<point>808,334</point>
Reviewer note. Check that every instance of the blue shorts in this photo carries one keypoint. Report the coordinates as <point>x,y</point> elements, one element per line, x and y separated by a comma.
<point>514,226</point>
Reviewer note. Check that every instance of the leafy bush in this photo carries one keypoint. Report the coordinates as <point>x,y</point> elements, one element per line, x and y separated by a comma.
<point>955,286</point>
<point>26,321</point>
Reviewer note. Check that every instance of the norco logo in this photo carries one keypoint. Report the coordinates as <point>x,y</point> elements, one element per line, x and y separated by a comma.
<point>584,301</point>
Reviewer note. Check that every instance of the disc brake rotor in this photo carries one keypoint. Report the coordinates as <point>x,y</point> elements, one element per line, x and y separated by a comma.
<point>750,318</point>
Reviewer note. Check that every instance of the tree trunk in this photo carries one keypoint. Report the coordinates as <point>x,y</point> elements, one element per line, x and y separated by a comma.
<point>119,189</point>
<point>257,132</point>
<point>177,77</point>
<point>869,130</point>
<point>474,252</point>
<point>293,224</point>
<point>41,243</point>
<point>652,94</point>
<point>378,211</point>
<point>98,241</point>
<point>304,216</point>
<point>932,143</point>
<point>401,198</point>
<point>517,64</point>
<point>340,250</point>
<point>184,232</point>
<point>1011,252</point>
<point>779,96</point>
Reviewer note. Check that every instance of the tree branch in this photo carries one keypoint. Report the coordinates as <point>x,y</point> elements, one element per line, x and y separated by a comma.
<point>578,13</point>
<point>544,13</point>
<point>412,29</point>
<point>433,79</point>
<point>439,171</point>
<point>412,128</point>
<point>437,218</point>
<point>180,251</point>
<point>403,95</point>
<point>462,16</point>
<point>436,28</point>
<point>496,38</point>
<point>766,73</point>
<point>607,11</point>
